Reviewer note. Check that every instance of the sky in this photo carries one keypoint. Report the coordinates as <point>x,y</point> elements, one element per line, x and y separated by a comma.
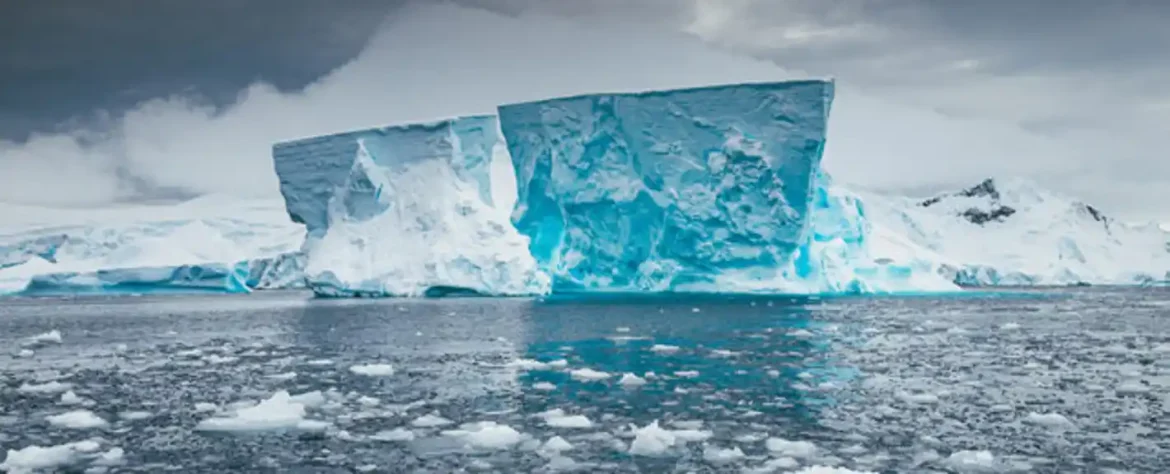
<point>122,100</point>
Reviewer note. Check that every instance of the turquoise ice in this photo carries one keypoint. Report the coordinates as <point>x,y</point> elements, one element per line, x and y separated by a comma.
<point>668,190</point>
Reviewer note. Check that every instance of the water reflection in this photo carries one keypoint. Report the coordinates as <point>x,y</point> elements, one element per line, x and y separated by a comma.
<point>701,357</point>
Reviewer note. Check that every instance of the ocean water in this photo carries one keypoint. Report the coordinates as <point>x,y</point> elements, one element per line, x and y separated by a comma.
<point>1070,380</point>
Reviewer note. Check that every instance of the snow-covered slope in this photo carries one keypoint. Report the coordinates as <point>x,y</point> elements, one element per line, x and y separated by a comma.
<point>1011,232</point>
<point>201,244</point>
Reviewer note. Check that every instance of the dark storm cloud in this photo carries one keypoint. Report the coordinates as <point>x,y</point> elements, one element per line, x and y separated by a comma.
<point>60,59</point>
<point>1073,93</point>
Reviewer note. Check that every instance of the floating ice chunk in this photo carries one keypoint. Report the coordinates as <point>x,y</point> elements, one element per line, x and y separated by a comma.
<point>113,457</point>
<point>51,337</point>
<point>77,419</point>
<point>368,401</point>
<point>1132,387</point>
<point>544,386</point>
<point>557,418</point>
<point>201,407</point>
<point>630,380</point>
<point>26,353</point>
<point>216,359</point>
<point>47,387</point>
<point>282,376</point>
<point>373,370</point>
<point>1009,326</point>
<point>311,399</point>
<point>920,398</point>
<point>556,444</point>
<point>486,435</point>
<point>971,461</point>
<point>723,353</point>
<point>653,440</point>
<point>529,364</point>
<point>749,438</point>
<point>688,424</point>
<point>690,435</point>
<point>430,420</point>
<point>319,362</point>
<point>774,465</point>
<point>716,455</point>
<point>1049,420</point>
<point>588,375</point>
<point>794,449</point>
<point>830,470</point>
<point>70,398</point>
<point>134,415</point>
<point>687,374</point>
<point>279,412</point>
<point>394,435</point>
<point>664,348</point>
<point>37,458</point>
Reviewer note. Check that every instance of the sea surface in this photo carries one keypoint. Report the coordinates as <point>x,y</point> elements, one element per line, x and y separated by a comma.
<point>1045,381</point>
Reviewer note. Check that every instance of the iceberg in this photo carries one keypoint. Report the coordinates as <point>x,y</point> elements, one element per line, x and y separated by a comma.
<point>405,210</point>
<point>214,278</point>
<point>700,189</point>
<point>207,244</point>
<point>713,189</point>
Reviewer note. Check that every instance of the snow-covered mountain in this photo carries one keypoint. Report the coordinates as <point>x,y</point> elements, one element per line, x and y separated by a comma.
<point>1011,232</point>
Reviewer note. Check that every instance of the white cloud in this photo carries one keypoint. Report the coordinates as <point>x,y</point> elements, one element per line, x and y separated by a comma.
<point>949,122</point>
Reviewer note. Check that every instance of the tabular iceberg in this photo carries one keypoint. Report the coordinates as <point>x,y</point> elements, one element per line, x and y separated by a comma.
<point>404,211</point>
<point>714,189</point>
<point>191,246</point>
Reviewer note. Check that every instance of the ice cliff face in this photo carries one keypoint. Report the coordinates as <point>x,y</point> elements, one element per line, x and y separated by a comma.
<point>404,211</point>
<point>709,189</point>
<point>1011,232</point>
<point>200,245</point>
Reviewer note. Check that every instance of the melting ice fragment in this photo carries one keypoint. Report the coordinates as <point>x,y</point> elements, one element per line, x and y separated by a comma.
<point>405,211</point>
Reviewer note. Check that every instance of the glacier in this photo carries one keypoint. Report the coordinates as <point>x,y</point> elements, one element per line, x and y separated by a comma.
<point>405,210</point>
<point>1011,232</point>
<point>211,244</point>
<point>711,189</point>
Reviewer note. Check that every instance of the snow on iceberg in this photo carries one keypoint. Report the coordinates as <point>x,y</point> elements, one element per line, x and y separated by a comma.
<point>404,211</point>
<point>207,244</point>
<point>1012,232</point>
<point>713,189</point>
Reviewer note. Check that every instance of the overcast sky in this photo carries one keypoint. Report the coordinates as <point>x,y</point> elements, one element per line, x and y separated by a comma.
<point>125,100</point>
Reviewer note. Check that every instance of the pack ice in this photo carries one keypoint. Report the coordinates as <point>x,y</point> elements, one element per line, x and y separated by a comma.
<point>714,189</point>
<point>405,211</point>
